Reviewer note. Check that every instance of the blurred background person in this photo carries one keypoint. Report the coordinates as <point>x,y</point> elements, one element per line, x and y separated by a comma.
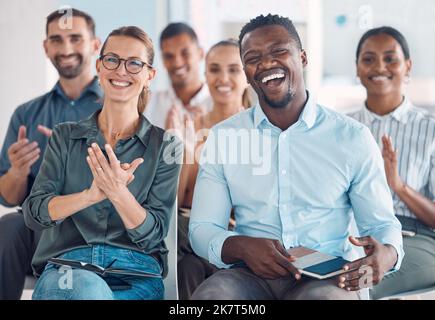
<point>188,94</point>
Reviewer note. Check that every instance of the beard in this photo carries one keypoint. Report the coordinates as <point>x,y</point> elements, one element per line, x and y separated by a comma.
<point>279,104</point>
<point>179,83</point>
<point>70,72</point>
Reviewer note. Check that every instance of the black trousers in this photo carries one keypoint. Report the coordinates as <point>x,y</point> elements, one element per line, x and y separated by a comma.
<point>192,270</point>
<point>17,246</point>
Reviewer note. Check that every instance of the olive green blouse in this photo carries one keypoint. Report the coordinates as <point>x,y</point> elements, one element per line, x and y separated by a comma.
<point>65,171</point>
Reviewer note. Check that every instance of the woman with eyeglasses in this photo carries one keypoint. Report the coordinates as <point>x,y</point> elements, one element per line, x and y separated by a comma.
<point>406,136</point>
<point>107,188</point>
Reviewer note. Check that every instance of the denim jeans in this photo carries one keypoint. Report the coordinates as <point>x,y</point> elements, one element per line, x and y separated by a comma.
<point>75,284</point>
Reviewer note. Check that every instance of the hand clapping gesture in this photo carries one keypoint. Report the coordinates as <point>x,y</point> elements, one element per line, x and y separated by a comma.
<point>391,164</point>
<point>109,176</point>
<point>23,154</point>
<point>184,128</point>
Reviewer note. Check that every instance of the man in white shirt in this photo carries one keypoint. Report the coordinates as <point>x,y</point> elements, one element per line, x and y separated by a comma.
<point>188,94</point>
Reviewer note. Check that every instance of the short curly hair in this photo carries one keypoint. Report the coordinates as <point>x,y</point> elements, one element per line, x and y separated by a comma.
<point>270,20</point>
<point>175,29</point>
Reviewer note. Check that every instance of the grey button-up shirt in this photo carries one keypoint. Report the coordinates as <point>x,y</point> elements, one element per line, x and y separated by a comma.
<point>65,171</point>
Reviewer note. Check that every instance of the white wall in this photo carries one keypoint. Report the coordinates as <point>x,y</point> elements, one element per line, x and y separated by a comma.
<point>345,21</point>
<point>413,18</point>
<point>23,63</point>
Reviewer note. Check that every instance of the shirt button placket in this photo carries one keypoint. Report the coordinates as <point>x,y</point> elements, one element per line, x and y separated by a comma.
<point>285,189</point>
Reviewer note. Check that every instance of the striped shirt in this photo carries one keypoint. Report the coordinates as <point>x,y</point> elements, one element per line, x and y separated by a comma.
<point>413,133</point>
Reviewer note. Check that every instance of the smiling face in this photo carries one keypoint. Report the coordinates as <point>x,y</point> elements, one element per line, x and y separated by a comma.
<point>224,74</point>
<point>119,85</point>
<point>70,49</point>
<point>382,66</point>
<point>181,57</point>
<point>273,64</point>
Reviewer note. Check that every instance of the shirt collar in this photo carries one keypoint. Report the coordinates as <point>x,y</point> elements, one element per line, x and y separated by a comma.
<point>401,113</point>
<point>93,88</point>
<point>197,99</point>
<point>88,129</point>
<point>259,115</point>
<point>308,115</point>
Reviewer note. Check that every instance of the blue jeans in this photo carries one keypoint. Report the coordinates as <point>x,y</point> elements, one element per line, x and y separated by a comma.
<point>75,284</point>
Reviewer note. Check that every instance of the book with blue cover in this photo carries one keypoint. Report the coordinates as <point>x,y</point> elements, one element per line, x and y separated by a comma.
<point>316,264</point>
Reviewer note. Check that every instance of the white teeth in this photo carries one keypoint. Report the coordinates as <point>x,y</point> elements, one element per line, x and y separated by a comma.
<point>223,89</point>
<point>68,59</point>
<point>380,78</point>
<point>120,84</point>
<point>180,72</point>
<point>273,77</point>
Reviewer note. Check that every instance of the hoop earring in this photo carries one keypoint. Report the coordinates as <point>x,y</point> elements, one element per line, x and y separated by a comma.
<point>407,79</point>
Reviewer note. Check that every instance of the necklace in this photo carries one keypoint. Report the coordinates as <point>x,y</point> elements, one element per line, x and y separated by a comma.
<point>117,135</point>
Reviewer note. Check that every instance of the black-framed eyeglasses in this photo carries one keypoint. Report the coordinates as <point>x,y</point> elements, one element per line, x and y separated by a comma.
<point>132,65</point>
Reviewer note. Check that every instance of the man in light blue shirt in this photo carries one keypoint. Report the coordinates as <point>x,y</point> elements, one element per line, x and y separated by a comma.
<point>292,171</point>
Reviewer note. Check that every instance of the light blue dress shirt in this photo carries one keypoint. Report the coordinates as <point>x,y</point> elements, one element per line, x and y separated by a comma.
<point>301,189</point>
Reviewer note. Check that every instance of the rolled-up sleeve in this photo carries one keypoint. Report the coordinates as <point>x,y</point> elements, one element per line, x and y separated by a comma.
<point>211,209</point>
<point>161,201</point>
<point>371,197</point>
<point>48,183</point>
